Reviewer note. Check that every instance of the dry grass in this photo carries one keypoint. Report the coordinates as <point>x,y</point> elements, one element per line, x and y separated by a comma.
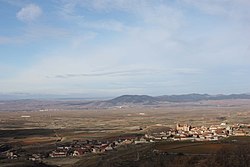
<point>192,148</point>
<point>100,123</point>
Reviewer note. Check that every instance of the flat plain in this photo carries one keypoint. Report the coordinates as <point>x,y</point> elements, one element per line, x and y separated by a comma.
<point>42,129</point>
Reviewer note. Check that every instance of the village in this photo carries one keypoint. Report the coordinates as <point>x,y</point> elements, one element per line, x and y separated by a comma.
<point>182,132</point>
<point>202,133</point>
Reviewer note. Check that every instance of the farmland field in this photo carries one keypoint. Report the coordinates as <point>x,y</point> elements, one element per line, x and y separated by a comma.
<point>41,131</point>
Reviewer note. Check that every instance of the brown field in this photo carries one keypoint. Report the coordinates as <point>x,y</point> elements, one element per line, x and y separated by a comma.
<point>102,123</point>
<point>43,129</point>
<point>192,147</point>
<point>35,140</point>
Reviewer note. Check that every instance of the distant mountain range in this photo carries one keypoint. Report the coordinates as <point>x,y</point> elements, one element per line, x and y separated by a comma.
<point>173,98</point>
<point>121,101</point>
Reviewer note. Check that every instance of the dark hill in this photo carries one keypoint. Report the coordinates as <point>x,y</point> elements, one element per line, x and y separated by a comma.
<point>232,96</point>
<point>144,99</point>
<point>133,99</point>
<point>183,98</point>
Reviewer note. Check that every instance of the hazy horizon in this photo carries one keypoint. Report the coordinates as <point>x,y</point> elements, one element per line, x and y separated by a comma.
<point>27,96</point>
<point>107,48</point>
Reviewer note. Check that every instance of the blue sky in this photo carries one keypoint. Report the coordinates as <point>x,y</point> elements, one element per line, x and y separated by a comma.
<point>114,47</point>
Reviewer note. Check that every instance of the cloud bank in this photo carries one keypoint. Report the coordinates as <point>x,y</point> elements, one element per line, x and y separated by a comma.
<point>29,13</point>
<point>129,46</point>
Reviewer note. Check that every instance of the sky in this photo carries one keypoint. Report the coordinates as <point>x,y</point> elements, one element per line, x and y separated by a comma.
<point>112,47</point>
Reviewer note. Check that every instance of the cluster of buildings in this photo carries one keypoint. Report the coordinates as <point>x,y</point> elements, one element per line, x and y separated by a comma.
<point>75,148</point>
<point>180,133</point>
<point>202,133</point>
<point>79,148</point>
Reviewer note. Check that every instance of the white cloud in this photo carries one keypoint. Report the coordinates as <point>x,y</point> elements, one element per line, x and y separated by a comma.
<point>141,49</point>
<point>106,5</point>
<point>237,9</point>
<point>110,25</point>
<point>156,47</point>
<point>29,13</point>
